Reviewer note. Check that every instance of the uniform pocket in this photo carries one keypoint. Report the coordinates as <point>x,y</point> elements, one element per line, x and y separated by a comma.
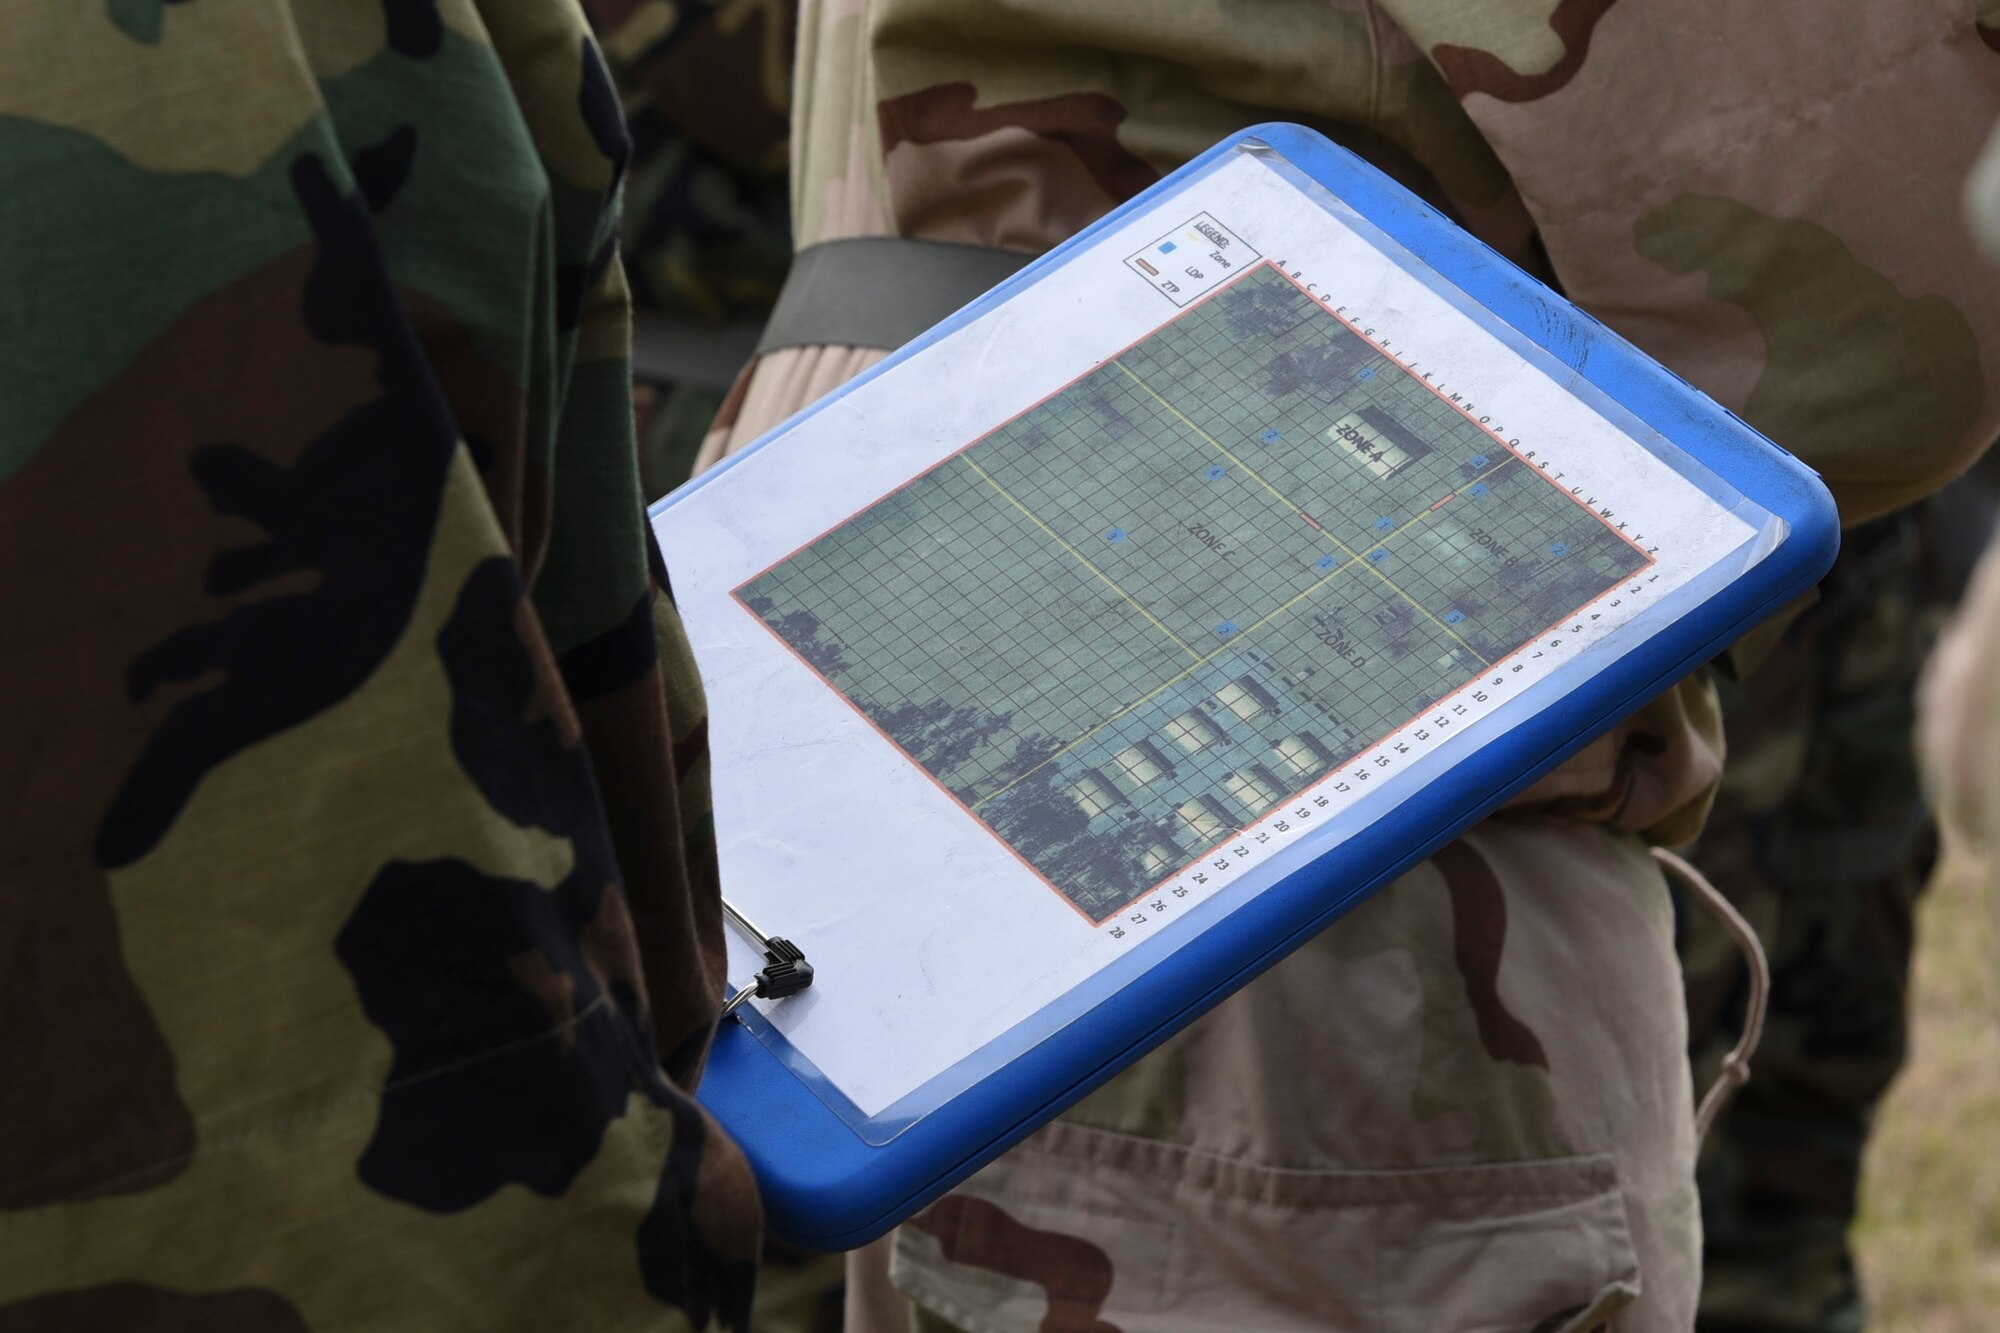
<point>1086,1230</point>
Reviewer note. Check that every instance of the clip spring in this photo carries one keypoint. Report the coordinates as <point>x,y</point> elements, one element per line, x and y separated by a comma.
<point>786,971</point>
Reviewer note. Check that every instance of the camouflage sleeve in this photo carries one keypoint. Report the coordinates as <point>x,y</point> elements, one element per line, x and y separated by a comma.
<point>360,921</point>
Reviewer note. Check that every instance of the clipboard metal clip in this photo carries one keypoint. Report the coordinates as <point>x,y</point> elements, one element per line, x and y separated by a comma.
<point>786,971</point>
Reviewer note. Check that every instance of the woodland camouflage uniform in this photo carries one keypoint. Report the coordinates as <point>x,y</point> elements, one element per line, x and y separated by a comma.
<point>358,923</point>
<point>1467,1105</point>
<point>707,89</point>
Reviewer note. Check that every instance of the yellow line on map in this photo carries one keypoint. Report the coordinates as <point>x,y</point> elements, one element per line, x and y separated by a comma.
<point>1171,681</point>
<point>1224,451</point>
<point>1326,578</point>
<point>1080,557</point>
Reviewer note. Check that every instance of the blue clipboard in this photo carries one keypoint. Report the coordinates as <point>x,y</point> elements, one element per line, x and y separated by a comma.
<point>834,1176</point>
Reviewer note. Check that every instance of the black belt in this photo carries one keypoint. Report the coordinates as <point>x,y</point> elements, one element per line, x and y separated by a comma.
<point>879,291</point>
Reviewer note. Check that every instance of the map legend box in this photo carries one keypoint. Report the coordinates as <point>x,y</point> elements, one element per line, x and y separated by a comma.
<point>1193,259</point>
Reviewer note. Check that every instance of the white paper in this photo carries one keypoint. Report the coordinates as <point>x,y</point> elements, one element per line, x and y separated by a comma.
<point>831,836</point>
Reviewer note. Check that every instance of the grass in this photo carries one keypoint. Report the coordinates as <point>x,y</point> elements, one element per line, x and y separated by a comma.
<point>1928,1238</point>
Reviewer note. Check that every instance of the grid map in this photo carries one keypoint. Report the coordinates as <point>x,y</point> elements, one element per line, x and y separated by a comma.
<point>1159,604</point>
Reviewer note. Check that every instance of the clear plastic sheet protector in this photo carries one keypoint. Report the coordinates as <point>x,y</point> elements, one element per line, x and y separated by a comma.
<point>1075,663</point>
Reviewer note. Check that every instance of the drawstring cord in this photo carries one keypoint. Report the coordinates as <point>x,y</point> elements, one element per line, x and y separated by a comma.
<point>1736,1065</point>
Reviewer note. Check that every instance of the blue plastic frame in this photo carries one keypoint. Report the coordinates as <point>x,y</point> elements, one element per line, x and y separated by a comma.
<point>826,1188</point>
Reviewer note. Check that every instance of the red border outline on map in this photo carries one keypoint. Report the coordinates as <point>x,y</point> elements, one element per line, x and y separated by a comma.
<point>736,593</point>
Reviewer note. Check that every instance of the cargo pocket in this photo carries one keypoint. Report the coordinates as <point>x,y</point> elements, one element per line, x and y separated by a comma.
<point>1086,1231</point>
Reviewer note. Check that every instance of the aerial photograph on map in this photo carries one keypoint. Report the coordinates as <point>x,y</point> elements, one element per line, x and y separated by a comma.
<point>1151,610</point>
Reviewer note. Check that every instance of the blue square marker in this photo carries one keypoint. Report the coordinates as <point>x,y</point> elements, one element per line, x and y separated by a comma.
<point>1324,562</point>
<point>1453,617</point>
<point>1478,462</point>
<point>1226,628</point>
<point>1559,548</point>
<point>1272,437</point>
<point>1166,247</point>
<point>1378,555</point>
<point>1365,373</point>
<point>1215,473</point>
<point>1477,490</point>
<point>1384,524</point>
<point>1115,535</point>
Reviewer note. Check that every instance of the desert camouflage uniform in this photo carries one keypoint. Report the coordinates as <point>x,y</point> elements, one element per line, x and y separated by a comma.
<point>707,87</point>
<point>1468,1105</point>
<point>1821,837</point>
<point>358,923</point>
